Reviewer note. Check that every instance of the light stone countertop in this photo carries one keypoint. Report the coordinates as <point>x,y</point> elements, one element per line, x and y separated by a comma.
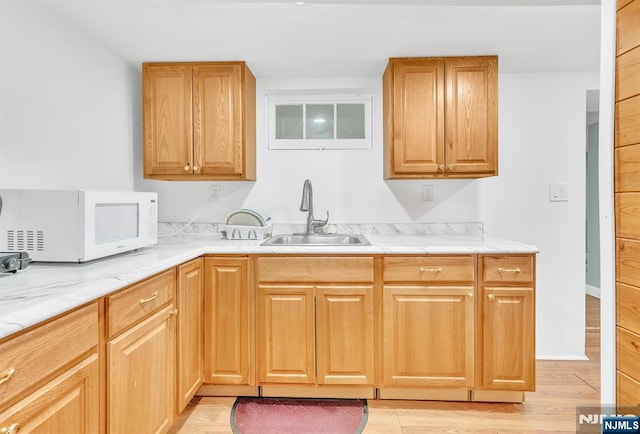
<point>44,290</point>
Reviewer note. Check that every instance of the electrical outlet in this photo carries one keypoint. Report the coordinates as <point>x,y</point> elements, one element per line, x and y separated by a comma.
<point>215,193</point>
<point>428,193</point>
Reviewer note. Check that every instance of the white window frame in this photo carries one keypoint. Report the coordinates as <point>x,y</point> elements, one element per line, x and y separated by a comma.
<point>324,96</point>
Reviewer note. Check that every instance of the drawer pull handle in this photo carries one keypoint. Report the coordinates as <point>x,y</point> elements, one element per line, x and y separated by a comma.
<point>491,297</point>
<point>8,375</point>
<point>508,270</point>
<point>11,429</point>
<point>144,301</point>
<point>430,270</point>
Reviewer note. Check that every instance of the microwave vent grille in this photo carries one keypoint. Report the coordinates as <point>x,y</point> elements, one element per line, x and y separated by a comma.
<point>28,241</point>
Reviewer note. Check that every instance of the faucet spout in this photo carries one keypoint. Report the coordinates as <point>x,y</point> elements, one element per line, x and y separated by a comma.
<point>306,205</point>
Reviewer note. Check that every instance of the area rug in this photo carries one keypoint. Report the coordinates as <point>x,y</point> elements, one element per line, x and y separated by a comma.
<point>299,416</point>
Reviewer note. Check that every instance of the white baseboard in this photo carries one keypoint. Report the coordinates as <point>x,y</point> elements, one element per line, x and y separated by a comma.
<point>593,291</point>
<point>581,357</point>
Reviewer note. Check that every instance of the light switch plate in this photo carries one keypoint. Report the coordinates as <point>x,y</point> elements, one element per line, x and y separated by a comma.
<point>558,192</point>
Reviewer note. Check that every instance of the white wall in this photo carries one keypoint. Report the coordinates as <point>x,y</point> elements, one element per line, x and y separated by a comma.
<point>542,141</point>
<point>347,183</point>
<point>66,105</point>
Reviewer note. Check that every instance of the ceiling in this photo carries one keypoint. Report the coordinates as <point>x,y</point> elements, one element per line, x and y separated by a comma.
<point>332,38</point>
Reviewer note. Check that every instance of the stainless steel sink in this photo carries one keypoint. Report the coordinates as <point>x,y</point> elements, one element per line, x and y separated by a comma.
<point>317,240</point>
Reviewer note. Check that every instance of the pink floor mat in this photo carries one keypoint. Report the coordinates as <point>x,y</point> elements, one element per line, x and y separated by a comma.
<point>299,416</point>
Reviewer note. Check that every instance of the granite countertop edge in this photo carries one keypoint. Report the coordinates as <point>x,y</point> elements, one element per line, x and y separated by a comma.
<point>45,290</point>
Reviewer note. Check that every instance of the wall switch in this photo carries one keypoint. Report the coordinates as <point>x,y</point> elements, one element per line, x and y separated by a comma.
<point>558,192</point>
<point>427,193</point>
<point>215,193</point>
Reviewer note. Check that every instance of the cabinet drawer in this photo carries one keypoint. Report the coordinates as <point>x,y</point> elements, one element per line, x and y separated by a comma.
<point>508,268</point>
<point>33,356</point>
<point>429,269</point>
<point>315,269</point>
<point>140,300</point>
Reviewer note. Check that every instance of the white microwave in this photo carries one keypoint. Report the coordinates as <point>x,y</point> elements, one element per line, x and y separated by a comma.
<point>76,225</point>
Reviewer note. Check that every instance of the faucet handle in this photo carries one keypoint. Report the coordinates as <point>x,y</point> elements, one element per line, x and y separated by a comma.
<point>317,224</point>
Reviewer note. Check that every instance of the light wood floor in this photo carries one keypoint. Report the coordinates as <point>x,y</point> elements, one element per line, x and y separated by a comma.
<point>561,386</point>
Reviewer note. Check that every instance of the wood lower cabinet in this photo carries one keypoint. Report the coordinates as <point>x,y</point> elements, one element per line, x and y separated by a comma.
<point>506,323</point>
<point>189,331</point>
<point>315,325</point>
<point>69,403</point>
<point>440,117</point>
<point>199,121</point>
<point>428,327</point>
<point>50,376</point>
<point>286,340</point>
<point>228,322</point>
<point>141,359</point>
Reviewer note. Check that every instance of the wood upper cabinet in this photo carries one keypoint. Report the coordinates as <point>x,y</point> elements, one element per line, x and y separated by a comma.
<point>141,357</point>
<point>507,323</point>
<point>428,322</point>
<point>315,320</point>
<point>189,331</point>
<point>228,322</point>
<point>441,117</point>
<point>199,121</point>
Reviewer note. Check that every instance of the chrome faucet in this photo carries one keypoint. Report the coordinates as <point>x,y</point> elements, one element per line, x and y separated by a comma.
<point>313,226</point>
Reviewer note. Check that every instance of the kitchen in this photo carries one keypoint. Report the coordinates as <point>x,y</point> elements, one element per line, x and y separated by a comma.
<point>80,91</point>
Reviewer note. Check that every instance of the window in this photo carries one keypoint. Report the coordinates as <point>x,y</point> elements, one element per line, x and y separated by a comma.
<point>327,119</point>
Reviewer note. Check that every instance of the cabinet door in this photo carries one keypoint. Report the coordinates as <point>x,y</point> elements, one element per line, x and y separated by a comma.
<point>418,116</point>
<point>508,344</point>
<point>471,131</point>
<point>218,119</point>
<point>167,121</point>
<point>68,404</point>
<point>286,344</point>
<point>140,378</point>
<point>190,331</point>
<point>428,336</point>
<point>344,324</point>
<point>227,318</point>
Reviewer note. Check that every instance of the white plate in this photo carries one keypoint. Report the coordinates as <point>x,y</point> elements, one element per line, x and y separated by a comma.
<point>245,217</point>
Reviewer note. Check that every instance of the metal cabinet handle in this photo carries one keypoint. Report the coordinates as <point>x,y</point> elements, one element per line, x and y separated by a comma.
<point>430,270</point>
<point>508,270</point>
<point>8,375</point>
<point>11,429</point>
<point>196,168</point>
<point>187,168</point>
<point>491,297</point>
<point>470,294</point>
<point>451,167</point>
<point>441,167</point>
<point>174,312</point>
<point>144,301</point>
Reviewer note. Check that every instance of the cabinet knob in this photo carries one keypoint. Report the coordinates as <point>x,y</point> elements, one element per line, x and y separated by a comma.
<point>451,167</point>
<point>187,168</point>
<point>8,375</point>
<point>196,168</point>
<point>441,168</point>
<point>491,297</point>
<point>470,294</point>
<point>174,312</point>
<point>11,429</point>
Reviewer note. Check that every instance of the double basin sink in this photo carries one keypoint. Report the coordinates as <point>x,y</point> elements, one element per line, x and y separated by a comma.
<point>317,240</point>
